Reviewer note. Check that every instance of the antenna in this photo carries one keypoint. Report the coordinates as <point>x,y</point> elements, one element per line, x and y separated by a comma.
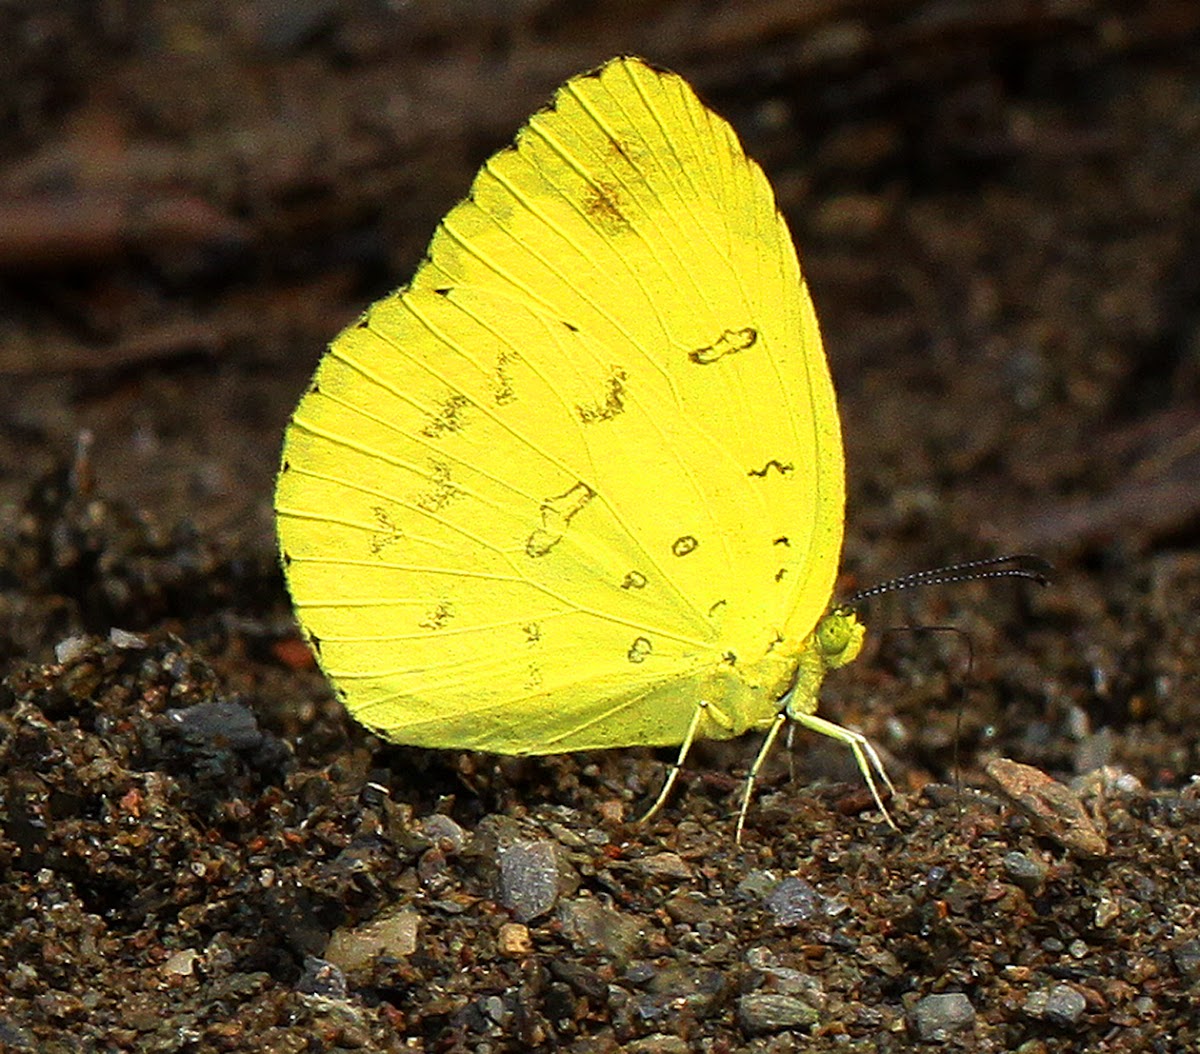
<point>1015,565</point>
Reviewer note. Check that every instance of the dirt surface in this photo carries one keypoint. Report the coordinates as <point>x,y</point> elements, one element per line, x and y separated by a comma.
<point>997,211</point>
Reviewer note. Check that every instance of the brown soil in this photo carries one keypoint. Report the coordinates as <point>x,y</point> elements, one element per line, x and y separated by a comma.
<point>997,206</point>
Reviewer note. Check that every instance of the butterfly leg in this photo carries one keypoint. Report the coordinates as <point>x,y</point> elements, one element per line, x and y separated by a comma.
<point>752,775</point>
<point>865,754</point>
<point>673,771</point>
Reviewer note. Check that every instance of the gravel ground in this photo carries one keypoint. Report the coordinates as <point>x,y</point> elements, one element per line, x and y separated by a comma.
<point>997,212</point>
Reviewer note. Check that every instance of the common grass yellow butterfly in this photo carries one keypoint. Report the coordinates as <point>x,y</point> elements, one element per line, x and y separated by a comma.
<point>580,483</point>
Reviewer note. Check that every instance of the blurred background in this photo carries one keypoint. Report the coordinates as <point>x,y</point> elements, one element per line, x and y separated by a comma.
<point>995,205</point>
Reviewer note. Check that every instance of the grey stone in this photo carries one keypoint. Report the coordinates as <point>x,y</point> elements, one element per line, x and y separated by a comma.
<point>1061,1005</point>
<point>793,901</point>
<point>1024,871</point>
<point>936,1017</point>
<point>528,878</point>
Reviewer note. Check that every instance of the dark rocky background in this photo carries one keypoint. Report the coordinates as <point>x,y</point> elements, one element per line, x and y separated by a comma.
<point>996,205</point>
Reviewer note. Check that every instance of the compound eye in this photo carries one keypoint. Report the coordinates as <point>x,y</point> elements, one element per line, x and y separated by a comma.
<point>833,633</point>
<point>839,637</point>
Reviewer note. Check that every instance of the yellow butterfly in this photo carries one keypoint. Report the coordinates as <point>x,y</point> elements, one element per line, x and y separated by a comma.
<point>580,483</point>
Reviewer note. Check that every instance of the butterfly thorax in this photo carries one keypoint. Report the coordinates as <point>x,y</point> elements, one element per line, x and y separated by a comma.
<point>744,695</point>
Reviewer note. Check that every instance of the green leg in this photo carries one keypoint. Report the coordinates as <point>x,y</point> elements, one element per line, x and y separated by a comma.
<point>673,771</point>
<point>752,775</point>
<point>864,754</point>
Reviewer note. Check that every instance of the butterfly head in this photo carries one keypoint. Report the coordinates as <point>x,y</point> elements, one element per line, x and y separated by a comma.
<point>839,637</point>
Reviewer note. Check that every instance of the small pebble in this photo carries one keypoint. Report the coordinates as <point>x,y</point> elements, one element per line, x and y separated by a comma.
<point>217,726</point>
<point>444,832</point>
<point>1108,910</point>
<point>1065,1006</point>
<point>758,883</point>
<point>122,638</point>
<point>393,935</point>
<point>528,879</point>
<point>322,978</point>
<point>1187,958</point>
<point>664,865</point>
<point>514,940</point>
<point>592,926</point>
<point>793,901</point>
<point>69,650</point>
<point>764,1012</point>
<point>1061,1005</point>
<point>1054,807</point>
<point>1024,871</point>
<point>181,964</point>
<point>936,1017</point>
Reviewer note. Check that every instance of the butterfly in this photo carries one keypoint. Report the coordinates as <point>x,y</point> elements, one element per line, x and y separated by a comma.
<point>580,483</point>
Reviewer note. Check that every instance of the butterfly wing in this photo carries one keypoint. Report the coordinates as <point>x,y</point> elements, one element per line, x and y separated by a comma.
<point>586,469</point>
